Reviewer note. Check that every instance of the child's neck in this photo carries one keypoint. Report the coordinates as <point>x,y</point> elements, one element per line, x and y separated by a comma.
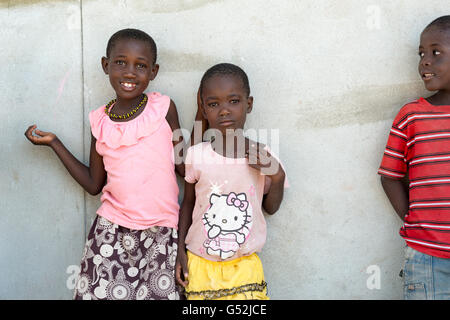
<point>231,146</point>
<point>440,98</point>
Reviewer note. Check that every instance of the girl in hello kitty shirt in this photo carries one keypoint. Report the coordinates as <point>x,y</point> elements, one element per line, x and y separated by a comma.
<point>221,224</point>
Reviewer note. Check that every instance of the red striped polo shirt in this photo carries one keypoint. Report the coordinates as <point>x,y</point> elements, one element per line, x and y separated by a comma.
<point>419,145</point>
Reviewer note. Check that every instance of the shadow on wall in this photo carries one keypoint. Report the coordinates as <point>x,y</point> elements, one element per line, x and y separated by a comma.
<point>358,106</point>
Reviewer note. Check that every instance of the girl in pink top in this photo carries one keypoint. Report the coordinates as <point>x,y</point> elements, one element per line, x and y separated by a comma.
<point>221,220</point>
<point>131,248</point>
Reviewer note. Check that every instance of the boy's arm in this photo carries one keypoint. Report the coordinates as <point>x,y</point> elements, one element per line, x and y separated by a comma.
<point>185,221</point>
<point>397,194</point>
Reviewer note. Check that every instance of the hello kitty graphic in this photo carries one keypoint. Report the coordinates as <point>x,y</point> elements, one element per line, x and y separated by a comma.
<point>227,223</point>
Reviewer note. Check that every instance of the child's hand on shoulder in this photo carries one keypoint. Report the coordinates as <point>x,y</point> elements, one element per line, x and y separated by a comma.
<point>261,159</point>
<point>41,137</point>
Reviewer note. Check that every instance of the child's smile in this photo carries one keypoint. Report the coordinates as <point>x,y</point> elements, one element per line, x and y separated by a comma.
<point>128,86</point>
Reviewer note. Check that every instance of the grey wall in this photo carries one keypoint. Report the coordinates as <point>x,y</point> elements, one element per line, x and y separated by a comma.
<point>330,75</point>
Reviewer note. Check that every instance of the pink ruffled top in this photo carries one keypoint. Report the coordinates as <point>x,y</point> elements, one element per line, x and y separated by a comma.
<point>141,189</point>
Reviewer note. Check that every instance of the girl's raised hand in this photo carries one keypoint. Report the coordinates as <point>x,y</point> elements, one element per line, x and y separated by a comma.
<point>41,137</point>
<point>260,159</point>
<point>199,119</point>
<point>199,114</point>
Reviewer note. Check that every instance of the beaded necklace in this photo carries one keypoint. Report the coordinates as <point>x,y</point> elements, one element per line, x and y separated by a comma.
<point>124,116</point>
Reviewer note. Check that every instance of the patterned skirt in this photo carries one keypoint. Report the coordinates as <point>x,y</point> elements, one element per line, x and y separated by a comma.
<point>124,264</point>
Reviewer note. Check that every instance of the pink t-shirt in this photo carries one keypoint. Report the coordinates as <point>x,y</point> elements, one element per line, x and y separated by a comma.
<point>141,189</point>
<point>227,221</point>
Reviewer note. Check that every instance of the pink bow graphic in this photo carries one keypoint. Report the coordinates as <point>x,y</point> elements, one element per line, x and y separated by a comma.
<point>232,200</point>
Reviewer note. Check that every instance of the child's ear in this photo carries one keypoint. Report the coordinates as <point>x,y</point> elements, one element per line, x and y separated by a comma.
<point>154,71</point>
<point>250,104</point>
<point>105,63</point>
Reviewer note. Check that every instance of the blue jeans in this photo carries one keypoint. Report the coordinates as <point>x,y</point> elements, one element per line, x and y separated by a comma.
<point>425,277</point>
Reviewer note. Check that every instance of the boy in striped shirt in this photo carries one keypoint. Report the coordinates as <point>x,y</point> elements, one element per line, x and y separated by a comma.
<point>418,150</point>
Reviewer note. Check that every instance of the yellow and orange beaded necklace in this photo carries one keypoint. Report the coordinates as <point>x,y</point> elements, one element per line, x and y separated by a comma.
<point>124,116</point>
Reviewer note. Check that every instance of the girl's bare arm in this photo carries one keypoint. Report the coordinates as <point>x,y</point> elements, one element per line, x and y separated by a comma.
<point>184,223</point>
<point>91,178</point>
<point>172,120</point>
<point>178,140</point>
<point>268,165</point>
<point>272,200</point>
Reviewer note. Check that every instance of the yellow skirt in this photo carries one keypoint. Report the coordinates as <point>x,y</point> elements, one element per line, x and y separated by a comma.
<point>238,279</point>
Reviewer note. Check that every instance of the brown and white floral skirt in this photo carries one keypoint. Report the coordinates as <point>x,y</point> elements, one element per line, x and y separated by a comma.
<point>124,264</point>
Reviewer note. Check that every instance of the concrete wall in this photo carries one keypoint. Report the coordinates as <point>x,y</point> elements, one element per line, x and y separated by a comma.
<point>330,75</point>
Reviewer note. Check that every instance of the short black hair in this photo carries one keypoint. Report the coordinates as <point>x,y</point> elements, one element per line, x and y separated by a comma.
<point>225,69</point>
<point>441,23</point>
<point>131,34</point>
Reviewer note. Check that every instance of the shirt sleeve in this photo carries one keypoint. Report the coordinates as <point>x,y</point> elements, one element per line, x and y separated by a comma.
<point>393,163</point>
<point>190,173</point>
